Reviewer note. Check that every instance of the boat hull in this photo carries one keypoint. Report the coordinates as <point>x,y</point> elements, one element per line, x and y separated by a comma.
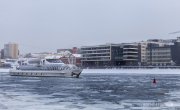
<point>38,73</point>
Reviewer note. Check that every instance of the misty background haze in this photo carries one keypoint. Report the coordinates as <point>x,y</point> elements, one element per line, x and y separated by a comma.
<point>46,25</point>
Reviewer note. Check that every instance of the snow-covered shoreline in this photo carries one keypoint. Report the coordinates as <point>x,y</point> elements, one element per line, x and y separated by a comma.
<point>121,71</point>
<point>133,71</point>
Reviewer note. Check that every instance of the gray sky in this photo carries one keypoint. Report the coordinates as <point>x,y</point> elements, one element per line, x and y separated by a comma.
<point>45,25</point>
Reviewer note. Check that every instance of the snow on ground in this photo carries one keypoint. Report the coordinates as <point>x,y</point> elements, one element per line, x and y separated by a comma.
<point>133,71</point>
<point>123,71</point>
<point>4,70</point>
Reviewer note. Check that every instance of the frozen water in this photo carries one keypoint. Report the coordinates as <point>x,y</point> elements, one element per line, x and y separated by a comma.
<point>97,91</point>
<point>2,70</point>
<point>133,71</point>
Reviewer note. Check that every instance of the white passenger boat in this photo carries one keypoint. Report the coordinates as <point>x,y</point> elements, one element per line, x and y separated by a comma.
<point>45,67</point>
<point>9,63</point>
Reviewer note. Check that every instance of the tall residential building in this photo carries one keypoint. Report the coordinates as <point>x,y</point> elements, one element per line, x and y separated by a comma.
<point>11,50</point>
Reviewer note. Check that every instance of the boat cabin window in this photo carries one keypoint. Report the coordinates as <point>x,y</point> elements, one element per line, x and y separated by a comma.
<point>10,60</point>
<point>34,62</point>
<point>24,63</point>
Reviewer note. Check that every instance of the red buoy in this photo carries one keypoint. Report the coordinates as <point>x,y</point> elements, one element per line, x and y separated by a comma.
<point>154,81</point>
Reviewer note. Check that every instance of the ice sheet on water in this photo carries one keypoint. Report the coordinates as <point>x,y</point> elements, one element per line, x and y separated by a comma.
<point>172,104</point>
<point>15,101</point>
<point>100,91</point>
<point>132,71</point>
<point>30,80</point>
<point>36,102</point>
<point>4,70</point>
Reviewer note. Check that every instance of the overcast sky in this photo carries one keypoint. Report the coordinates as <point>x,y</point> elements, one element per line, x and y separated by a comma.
<point>46,25</point>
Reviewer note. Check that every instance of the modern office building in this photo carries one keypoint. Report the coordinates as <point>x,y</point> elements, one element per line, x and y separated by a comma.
<point>155,52</point>
<point>110,55</point>
<point>162,42</point>
<point>130,54</point>
<point>11,51</point>
<point>101,55</point>
<point>159,52</point>
<point>142,53</point>
<point>159,56</point>
<point>176,52</point>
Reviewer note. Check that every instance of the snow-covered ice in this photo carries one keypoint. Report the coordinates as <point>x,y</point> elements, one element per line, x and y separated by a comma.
<point>132,71</point>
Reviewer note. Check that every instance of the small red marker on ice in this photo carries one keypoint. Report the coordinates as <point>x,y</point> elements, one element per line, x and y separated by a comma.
<point>154,81</point>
